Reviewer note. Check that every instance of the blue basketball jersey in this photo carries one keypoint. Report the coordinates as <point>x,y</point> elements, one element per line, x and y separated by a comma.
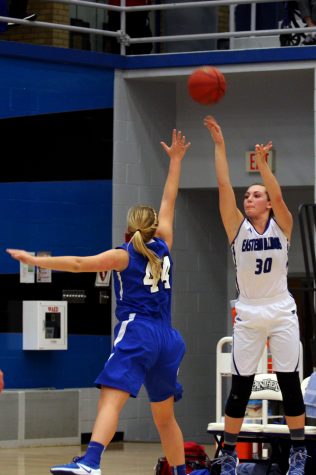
<point>135,289</point>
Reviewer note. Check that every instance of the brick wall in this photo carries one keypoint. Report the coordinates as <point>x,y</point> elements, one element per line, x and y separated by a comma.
<point>50,12</point>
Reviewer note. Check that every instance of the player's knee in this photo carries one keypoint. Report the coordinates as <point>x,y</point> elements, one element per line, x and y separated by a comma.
<point>290,387</point>
<point>163,416</point>
<point>164,422</point>
<point>239,396</point>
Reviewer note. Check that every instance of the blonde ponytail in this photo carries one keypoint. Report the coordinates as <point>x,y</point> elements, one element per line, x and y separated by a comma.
<point>142,222</point>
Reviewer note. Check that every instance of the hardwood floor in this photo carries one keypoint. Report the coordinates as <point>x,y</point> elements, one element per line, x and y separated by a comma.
<point>121,458</point>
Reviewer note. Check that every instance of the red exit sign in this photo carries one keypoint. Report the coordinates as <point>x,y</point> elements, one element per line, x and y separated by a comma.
<point>251,165</point>
<point>53,309</point>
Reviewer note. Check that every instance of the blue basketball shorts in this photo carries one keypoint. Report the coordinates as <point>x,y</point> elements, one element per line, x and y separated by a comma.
<point>145,351</point>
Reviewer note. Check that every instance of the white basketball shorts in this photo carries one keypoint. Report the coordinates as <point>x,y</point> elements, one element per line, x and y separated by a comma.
<point>256,320</point>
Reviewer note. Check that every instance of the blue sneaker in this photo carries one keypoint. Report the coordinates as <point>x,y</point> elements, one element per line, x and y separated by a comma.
<point>76,467</point>
<point>297,461</point>
<point>228,461</point>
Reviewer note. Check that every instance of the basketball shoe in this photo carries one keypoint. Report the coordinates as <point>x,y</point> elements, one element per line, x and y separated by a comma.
<point>76,467</point>
<point>297,461</point>
<point>228,462</point>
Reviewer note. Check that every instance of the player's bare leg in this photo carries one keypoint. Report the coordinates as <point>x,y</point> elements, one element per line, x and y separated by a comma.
<point>169,431</point>
<point>111,402</point>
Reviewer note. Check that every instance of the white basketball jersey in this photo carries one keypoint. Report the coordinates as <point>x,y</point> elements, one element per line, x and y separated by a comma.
<point>261,260</point>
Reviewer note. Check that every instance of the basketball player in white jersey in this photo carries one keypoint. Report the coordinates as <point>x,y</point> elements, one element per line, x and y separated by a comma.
<point>265,308</point>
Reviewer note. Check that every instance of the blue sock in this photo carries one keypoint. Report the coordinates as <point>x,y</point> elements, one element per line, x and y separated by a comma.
<point>178,470</point>
<point>93,454</point>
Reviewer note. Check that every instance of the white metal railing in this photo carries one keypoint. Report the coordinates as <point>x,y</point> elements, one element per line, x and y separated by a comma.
<point>125,40</point>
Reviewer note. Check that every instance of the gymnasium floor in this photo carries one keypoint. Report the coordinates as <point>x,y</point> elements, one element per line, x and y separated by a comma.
<point>122,458</point>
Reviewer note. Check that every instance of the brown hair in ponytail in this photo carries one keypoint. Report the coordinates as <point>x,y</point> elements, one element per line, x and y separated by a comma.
<point>142,223</point>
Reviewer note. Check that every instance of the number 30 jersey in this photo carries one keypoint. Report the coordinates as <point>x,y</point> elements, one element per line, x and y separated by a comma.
<point>261,260</point>
<point>135,289</point>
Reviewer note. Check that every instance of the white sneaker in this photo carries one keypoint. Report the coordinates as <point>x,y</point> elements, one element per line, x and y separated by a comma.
<point>76,467</point>
<point>297,461</point>
<point>228,461</point>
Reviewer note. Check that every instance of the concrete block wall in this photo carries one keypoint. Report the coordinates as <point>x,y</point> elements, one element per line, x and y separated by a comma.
<point>40,417</point>
<point>144,115</point>
<point>199,305</point>
<point>199,313</point>
<point>47,417</point>
<point>140,123</point>
<point>259,105</point>
<point>88,408</point>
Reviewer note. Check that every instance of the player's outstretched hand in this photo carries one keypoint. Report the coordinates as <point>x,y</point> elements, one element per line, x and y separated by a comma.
<point>21,256</point>
<point>261,152</point>
<point>178,147</point>
<point>215,130</point>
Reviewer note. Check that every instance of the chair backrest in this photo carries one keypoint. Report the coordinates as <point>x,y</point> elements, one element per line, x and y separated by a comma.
<point>223,368</point>
<point>266,388</point>
<point>304,384</point>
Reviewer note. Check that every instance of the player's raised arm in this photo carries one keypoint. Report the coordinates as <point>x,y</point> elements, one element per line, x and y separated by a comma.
<point>281,212</point>
<point>116,259</point>
<point>231,216</point>
<point>176,152</point>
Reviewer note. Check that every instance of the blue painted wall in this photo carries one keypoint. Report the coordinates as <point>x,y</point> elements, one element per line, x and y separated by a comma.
<point>42,80</point>
<point>76,367</point>
<point>63,217</point>
<point>73,217</point>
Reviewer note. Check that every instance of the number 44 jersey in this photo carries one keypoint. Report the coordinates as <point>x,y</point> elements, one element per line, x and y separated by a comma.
<point>135,289</point>
<point>261,260</point>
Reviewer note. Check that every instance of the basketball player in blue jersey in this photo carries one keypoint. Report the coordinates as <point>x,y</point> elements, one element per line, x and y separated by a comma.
<point>147,350</point>
<point>259,243</point>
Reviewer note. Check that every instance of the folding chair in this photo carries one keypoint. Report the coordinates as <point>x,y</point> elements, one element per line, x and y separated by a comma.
<point>265,387</point>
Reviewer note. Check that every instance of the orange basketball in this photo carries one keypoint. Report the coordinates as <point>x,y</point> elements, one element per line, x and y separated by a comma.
<point>207,85</point>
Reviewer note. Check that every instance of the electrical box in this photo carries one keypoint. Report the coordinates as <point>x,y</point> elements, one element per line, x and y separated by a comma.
<point>45,325</point>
